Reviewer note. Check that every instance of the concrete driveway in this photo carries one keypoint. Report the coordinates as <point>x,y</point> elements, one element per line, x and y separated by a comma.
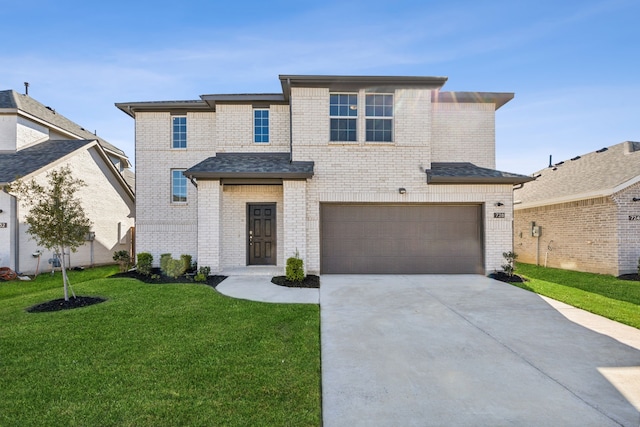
<point>465,351</point>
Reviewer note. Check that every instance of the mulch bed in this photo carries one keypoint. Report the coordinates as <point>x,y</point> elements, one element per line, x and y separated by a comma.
<point>158,278</point>
<point>633,276</point>
<point>61,304</point>
<point>311,281</point>
<point>504,277</point>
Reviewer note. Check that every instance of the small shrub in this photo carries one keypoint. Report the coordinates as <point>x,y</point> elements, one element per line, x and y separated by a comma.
<point>145,261</point>
<point>163,261</point>
<point>295,269</point>
<point>510,266</point>
<point>123,259</point>
<point>186,260</point>
<point>174,267</point>
<point>203,273</point>
<point>638,266</point>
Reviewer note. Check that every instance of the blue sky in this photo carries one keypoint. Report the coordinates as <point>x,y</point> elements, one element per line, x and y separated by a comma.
<point>574,66</point>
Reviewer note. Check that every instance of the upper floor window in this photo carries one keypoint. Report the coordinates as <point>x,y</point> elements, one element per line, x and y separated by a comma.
<point>379,117</point>
<point>179,124</point>
<point>260,125</point>
<point>178,186</point>
<point>343,113</point>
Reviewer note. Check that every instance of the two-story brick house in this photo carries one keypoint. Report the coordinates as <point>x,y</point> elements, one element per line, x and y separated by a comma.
<point>356,174</point>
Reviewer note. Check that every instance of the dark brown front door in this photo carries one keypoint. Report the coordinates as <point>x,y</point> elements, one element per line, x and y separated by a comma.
<point>261,234</point>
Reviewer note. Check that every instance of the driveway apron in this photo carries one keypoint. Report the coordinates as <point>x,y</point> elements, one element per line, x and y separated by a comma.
<point>463,350</point>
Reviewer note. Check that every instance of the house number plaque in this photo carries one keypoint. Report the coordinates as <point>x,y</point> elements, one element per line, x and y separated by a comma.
<point>498,214</point>
<point>3,225</point>
<point>634,217</point>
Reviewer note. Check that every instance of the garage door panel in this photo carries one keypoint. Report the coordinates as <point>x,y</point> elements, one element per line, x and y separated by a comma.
<point>395,239</point>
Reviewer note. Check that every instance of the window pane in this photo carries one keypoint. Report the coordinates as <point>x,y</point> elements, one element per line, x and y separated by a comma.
<point>379,105</point>
<point>178,187</point>
<point>379,130</point>
<point>260,126</point>
<point>343,130</point>
<point>343,105</point>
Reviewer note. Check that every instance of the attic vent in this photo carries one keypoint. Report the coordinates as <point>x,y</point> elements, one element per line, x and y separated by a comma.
<point>554,169</point>
<point>558,164</point>
<point>575,158</point>
<point>51,109</point>
<point>537,176</point>
<point>602,150</point>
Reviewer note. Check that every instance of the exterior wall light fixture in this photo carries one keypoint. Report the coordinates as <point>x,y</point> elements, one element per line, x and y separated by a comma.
<point>635,199</point>
<point>402,190</point>
<point>498,204</point>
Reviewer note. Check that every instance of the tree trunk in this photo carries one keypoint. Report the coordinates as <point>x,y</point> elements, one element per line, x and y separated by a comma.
<point>65,281</point>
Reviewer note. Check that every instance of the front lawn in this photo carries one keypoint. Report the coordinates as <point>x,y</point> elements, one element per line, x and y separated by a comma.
<point>155,355</point>
<point>601,294</point>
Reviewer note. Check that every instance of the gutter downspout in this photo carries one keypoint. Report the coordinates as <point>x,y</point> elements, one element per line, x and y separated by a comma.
<point>290,123</point>
<point>16,230</point>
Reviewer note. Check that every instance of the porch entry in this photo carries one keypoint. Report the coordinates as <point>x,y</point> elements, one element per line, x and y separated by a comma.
<point>261,234</point>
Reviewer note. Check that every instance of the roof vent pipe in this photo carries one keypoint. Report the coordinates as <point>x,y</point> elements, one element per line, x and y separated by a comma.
<point>550,164</point>
<point>26,88</point>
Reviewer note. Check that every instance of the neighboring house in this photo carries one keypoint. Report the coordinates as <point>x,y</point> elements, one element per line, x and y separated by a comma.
<point>356,174</point>
<point>584,212</point>
<point>34,140</point>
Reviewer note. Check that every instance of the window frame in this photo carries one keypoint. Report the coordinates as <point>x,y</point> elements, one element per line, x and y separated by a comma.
<point>379,113</point>
<point>261,135</point>
<point>181,132</point>
<point>178,173</point>
<point>337,116</point>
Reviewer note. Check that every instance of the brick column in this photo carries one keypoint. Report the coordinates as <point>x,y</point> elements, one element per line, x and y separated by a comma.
<point>209,208</point>
<point>295,219</point>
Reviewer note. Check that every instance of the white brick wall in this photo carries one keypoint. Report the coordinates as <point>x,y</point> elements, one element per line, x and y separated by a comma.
<point>351,172</point>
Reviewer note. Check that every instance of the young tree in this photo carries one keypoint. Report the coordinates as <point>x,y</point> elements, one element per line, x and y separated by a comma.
<point>56,219</point>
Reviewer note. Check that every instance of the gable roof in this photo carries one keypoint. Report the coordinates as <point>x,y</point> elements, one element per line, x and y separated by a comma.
<point>10,99</point>
<point>596,174</point>
<point>26,161</point>
<point>251,166</point>
<point>468,173</point>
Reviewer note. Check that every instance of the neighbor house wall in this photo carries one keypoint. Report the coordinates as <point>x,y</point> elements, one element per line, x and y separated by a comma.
<point>580,235</point>
<point>628,221</point>
<point>105,203</point>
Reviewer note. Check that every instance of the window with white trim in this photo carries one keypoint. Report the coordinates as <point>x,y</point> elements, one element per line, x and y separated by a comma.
<point>179,127</point>
<point>343,116</point>
<point>178,186</point>
<point>379,117</point>
<point>260,126</point>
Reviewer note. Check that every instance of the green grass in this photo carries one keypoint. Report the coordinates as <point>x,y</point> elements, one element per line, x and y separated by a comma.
<point>601,294</point>
<point>155,355</point>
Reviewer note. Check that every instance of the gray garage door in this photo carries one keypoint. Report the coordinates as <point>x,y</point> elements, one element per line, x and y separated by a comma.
<point>401,239</point>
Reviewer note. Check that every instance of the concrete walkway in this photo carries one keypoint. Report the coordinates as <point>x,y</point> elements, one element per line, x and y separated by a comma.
<point>467,351</point>
<point>461,351</point>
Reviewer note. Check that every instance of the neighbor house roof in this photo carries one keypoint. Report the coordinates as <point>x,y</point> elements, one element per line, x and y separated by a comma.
<point>596,174</point>
<point>251,166</point>
<point>10,99</point>
<point>23,162</point>
<point>468,173</point>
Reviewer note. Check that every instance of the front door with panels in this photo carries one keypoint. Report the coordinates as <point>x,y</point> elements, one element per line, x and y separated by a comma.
<point>261,234</point>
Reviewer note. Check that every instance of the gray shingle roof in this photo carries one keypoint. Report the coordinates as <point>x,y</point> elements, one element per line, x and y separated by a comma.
<point>13,100</point>
<point>251,165</point>
<point>468,173</point>
<point>595,174</point>
<point>28,160</point>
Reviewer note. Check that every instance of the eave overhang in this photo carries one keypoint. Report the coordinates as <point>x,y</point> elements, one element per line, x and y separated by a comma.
<point>468,173</point>
<point>249,167</point>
